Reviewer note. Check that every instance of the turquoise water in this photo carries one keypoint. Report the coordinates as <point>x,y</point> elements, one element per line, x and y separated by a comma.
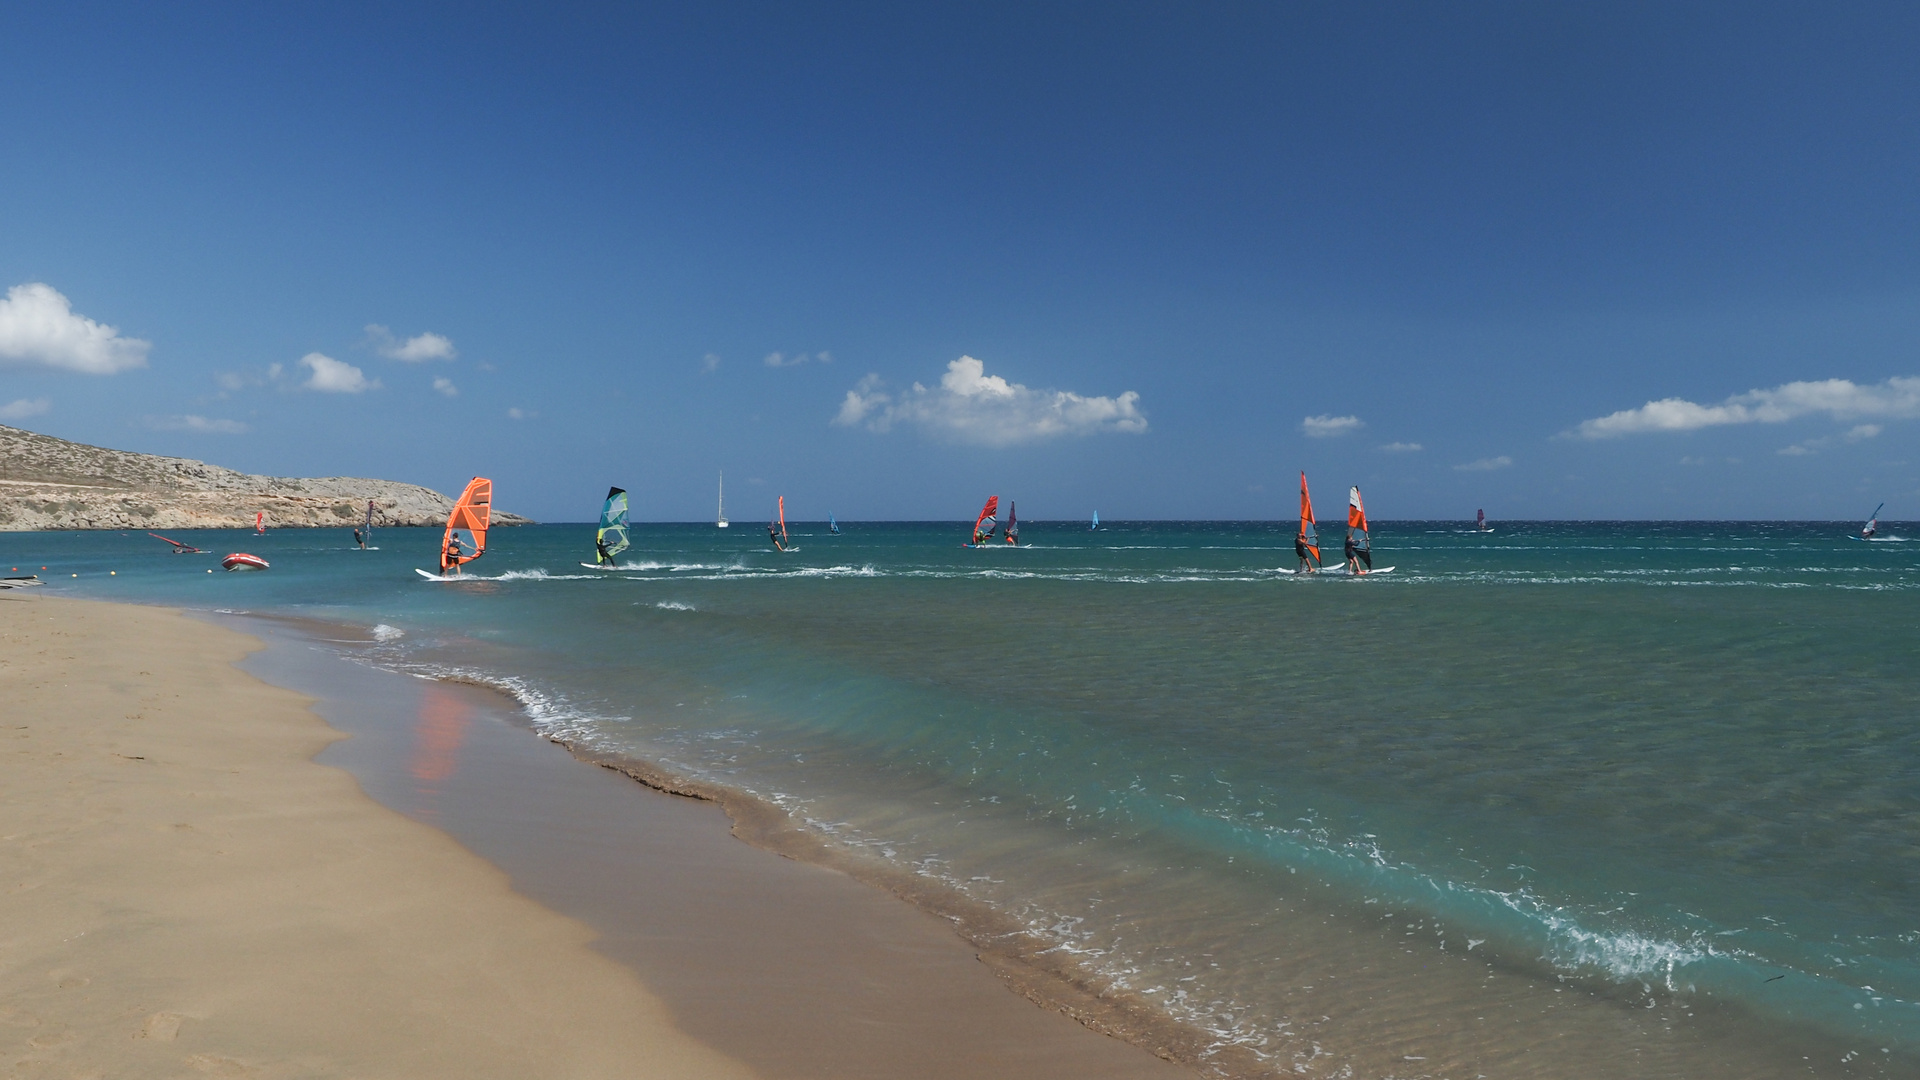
<point>1669,772</point>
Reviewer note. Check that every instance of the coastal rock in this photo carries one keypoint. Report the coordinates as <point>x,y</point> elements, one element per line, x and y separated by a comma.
<point>49,483</point>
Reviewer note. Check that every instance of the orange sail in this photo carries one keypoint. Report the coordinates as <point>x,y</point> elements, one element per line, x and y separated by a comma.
<point>1308,536</point>
<point>471,513</point>
<point>1356,512</point>
<point>783,521</point>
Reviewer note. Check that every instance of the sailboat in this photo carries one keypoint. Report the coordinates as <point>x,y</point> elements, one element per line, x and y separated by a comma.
<point>1013,522</point>
<point>986,523</point>
<point>611,539</point>
<point>722,511</point>
<point>777,530</point>
<point>1095,527</point>
<point>1306,542</point>
<point>471,512</point>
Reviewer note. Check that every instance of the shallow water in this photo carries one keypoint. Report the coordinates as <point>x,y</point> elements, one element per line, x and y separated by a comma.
<point>1631,799</point>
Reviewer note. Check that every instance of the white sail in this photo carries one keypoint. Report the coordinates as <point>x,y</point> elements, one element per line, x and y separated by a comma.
<point>721,513</point>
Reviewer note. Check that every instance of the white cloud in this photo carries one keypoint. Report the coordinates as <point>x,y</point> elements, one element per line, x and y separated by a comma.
<point>24,408</point>
<point>710,362</point>
<point>1403,448</point>
<point>445,386</point>
<point>1326,427</point>
<point>783,360</point>
<point>1864,431</point>
<point>1896,399</point>
<point>332,376</point>
<point>517,413</point>
<point>973,407</point>
<point>38,326</point>
<point>1793,451</point>
<point>198,424</point>
<point>1485,464</point>
<point>414,350</point>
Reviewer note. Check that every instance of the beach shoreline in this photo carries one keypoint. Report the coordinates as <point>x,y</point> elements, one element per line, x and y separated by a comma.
<point>826,977</point>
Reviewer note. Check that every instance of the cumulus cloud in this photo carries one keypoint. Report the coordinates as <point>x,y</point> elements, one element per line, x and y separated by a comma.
<point>1896,399</point>
<point>1485,464</point>
<point>517,413</point>
<point>710,362</point>
<point>783,360</point>
<point>25,407</point>
<point>971,406</point>
<point>1403,448</point>
<point>38,326</point>
<point>1327,427</point>
<point>414,350</point>
<point>332,376</point>
<point>445,386</point>
<point>197,424</point>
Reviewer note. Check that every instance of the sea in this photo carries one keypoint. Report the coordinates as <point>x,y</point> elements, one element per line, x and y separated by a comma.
<point>1581,799</point>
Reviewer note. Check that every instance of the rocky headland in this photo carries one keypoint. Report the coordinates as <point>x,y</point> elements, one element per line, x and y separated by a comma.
<point>49,483</point>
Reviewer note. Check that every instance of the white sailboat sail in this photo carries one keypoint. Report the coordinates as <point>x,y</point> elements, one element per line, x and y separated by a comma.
<point>721,513</point>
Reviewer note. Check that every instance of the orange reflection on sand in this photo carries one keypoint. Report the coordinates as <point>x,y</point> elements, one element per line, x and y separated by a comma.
<point>437,734</point>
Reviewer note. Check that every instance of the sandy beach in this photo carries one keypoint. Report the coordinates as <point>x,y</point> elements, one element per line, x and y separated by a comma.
<point>187,892</point>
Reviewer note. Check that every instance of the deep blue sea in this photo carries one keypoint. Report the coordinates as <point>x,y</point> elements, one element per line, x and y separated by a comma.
<point>1581,799</point>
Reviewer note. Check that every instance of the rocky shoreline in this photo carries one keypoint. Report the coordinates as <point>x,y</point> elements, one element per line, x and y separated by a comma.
<point>49,483</point>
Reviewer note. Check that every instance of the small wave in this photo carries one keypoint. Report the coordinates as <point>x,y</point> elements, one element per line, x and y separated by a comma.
<point>675,605</point>
<point>383,632</point>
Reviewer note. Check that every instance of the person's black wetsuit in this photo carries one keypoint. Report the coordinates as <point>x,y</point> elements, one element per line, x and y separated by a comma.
<point>601,547</point>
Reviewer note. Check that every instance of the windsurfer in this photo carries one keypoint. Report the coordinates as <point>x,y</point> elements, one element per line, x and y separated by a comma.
<point>600,545</point>
<point>358,538</point>
<point>1300,551</point>
<point>450,557</point>
<point>773,534</point>
<point>1353,556</point>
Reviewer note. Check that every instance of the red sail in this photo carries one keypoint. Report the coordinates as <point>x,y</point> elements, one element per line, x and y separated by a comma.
<point>1308,536</point>
<point>987,519</point>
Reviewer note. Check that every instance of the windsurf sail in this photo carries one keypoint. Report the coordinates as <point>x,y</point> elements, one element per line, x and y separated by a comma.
<point>1873,523</point>
<point>1095,527</point>
<point>777,528</point>
<point>1308,538</point>
<point>721,511</point>
<point>1481,522</point>
<point>366,531</point>
<point>178,547</point>
<point>472,512</point>
<point>833,526</point>
<point>1358,539</point>
<point>984,525</point>
<point>1013,523</point>
<point>260,521</point>
<point>611,540</point>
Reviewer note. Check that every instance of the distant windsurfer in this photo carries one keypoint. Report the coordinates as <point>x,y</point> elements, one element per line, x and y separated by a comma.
<point>1356,555</point>
<point>358,538</point>
<point>773,534</point>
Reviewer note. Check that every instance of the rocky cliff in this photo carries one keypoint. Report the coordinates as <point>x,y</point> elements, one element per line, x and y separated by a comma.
<point>49,483</point>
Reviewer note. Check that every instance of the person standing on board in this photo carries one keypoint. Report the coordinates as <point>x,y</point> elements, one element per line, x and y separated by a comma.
<point>600,545</point>
<point>1300,552</point>
<point>358,539</point>
<point>773,534</point>
<point>1353,556</point>
<point>450,557</point>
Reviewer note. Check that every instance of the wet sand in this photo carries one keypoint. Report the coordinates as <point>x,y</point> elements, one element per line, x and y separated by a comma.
<point>794,968</point>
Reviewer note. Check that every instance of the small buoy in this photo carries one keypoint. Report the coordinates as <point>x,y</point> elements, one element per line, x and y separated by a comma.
<point>110,573</point>
<point>209,571</point>
<point>76,575</point>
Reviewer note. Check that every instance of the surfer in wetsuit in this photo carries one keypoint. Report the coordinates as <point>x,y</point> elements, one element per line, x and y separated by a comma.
<point>358,539</point>
<point>600,545</point>
<point>773,534</point>
<point>450,557</point>
<point>1300,552</point>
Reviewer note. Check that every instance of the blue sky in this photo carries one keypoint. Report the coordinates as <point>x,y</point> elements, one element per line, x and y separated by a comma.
<point>1300,236</point>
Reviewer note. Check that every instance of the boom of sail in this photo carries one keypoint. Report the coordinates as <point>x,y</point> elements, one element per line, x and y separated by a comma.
<point>1308,537</point>
<point>611,540</point>
<point>472,512</point>
<point>1872,526</point>
<point>987,522</point>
